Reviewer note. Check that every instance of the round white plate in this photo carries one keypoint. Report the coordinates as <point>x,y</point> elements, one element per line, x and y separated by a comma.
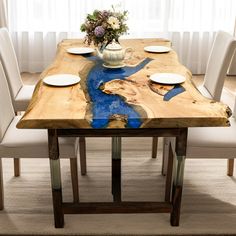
<point>167,78</point>
<point>61,80</point>
<point>81,50</point>
<point>113,67</point>
<point>157,49</point>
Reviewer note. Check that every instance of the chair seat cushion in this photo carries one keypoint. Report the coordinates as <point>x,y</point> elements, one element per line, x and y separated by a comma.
<point>215,136</point>
<point>23,97</point>
<point>32,143</point>
<point>228,98</point>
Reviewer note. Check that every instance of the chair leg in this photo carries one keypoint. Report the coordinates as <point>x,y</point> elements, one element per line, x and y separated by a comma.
<point>16,167</point>
<point>230,167</point>
<point>82,153</point>
<point>74,179</point>
<point>154,146</point>
<point>1,187</point>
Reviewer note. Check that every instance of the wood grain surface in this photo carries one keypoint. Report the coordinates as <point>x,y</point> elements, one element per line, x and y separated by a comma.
<point>72,107</point>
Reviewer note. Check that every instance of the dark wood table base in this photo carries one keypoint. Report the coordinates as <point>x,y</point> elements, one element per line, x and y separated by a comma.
<point>116,180</point>
<point>172,203</point>
<point>114,207</point>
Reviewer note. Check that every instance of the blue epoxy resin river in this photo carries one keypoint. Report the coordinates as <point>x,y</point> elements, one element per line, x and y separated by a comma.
<point>105,105</point>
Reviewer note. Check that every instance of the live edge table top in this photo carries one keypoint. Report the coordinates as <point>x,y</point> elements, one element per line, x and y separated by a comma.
<point>120,98</point>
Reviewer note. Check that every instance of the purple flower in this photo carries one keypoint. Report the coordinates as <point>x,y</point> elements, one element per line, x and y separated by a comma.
<point>99,31</point>
<point>105,13</point>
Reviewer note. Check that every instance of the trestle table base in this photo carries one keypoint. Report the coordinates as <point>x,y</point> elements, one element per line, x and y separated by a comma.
<point>172,206</point>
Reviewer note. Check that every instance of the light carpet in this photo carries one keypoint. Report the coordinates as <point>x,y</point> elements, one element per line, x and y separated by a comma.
<point>208,204</point>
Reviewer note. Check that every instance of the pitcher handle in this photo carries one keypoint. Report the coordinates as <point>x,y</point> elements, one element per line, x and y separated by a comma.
<point>128,53</point>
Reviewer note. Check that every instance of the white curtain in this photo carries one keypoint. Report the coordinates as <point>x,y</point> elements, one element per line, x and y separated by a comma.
<point>192,27</point>
<point>38,25</point>
<point>3,14</point>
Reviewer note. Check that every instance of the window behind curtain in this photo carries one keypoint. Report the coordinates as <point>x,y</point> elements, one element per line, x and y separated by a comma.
<point>144,19</point>
<point>145,16</point>
<point>202,15</point>
<point>38,25</point>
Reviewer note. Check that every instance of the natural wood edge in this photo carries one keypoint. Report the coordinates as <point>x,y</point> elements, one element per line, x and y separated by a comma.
<point>45,124</point>
<point>147,123</point>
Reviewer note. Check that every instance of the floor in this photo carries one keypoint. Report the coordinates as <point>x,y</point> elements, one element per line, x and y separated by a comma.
<point>208,204</point>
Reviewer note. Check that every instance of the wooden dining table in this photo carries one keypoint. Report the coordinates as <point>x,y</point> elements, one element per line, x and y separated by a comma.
<point>121,102</point>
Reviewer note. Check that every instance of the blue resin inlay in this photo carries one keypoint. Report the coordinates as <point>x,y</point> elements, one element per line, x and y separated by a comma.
<point>105,105</point>
<point>173,92</point>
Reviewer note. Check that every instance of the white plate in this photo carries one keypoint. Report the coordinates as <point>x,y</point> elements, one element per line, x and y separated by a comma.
<point>81,50</point>
<point>167,78</point>
<point>61,80</point>
<point>157,49</point>
<point>113,67</point>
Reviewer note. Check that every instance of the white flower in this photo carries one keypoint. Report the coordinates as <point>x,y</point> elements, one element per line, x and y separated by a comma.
<point>113,22</point>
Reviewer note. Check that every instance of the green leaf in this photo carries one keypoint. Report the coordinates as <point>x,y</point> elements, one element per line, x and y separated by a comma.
<point>83,27</point>
<point>91,17</point>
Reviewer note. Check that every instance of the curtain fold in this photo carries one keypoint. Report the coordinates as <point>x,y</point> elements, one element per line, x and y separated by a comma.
<point>37,26</point>
<point>3,13</point>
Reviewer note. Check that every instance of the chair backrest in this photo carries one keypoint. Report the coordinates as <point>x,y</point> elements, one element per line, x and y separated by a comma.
<point>9,62</point>
<point>6,108</point>
<point>221,53</point>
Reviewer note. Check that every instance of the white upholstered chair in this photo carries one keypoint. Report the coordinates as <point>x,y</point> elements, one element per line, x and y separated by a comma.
<point>220,57</point>
<point>217,142</point>
<point>28,143</point>
<point>204,142</point>
<point>20,93</point>
<point>214,142</point>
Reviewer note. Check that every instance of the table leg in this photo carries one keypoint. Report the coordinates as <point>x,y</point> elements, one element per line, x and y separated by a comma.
<point>116,168</point>
<point>180,149</point>
<point>55,178</point>
<point>169,175</point>
<point>154,146</point>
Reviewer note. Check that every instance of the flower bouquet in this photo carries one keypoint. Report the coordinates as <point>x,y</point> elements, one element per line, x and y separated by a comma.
<point>102,27</point>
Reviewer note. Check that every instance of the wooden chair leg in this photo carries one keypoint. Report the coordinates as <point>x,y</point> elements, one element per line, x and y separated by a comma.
<point>74,179</point>
<point>154,146</point>
<point>230,167</point>
<point>1,187</point>
<point>16,167</point>
<point>82,153</point>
